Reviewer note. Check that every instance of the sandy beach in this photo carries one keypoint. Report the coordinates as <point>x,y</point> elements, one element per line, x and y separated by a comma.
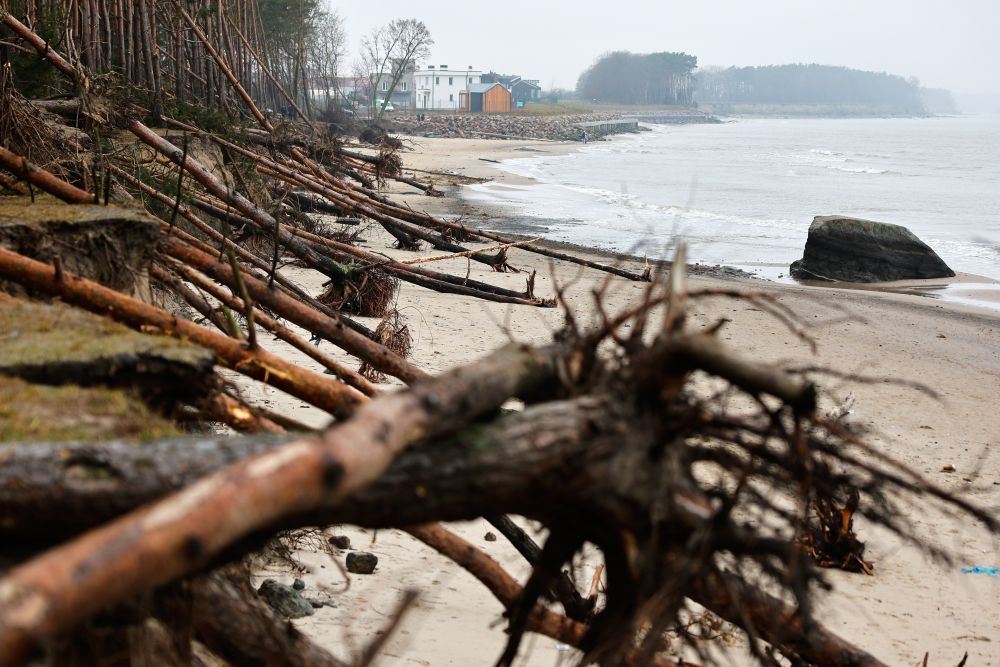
<point>911,606</point>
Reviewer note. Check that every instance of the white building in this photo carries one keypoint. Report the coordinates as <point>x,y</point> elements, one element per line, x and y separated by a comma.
<point>440,88</point>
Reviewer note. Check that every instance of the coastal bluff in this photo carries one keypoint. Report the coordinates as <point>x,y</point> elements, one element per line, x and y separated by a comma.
<point>844,249</point>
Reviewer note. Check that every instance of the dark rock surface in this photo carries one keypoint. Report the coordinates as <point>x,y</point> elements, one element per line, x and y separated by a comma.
<point>846,249</point>
<point>285,600</point>
<point>340,541</point>
<point>361,562</point>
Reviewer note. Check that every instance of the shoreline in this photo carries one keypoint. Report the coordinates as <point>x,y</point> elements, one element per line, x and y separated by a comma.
<point>910,606</point>
<point>965,290</point>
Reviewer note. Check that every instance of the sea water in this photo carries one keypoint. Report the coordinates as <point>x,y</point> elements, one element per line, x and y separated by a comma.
<point>743,193</point>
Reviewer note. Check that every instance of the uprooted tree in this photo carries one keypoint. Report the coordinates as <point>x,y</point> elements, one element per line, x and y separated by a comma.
<point>692,497</point>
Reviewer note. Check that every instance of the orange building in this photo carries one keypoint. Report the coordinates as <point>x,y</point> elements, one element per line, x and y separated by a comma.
<point>486,98</point>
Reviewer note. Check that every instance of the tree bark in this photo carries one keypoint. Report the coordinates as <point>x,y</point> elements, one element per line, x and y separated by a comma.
<point>175,536</point>
<point>45,180</point>
<point>341,372</point>
<point>375,354</point>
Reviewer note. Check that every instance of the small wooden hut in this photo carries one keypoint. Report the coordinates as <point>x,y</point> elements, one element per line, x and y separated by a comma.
<point>486,98</point>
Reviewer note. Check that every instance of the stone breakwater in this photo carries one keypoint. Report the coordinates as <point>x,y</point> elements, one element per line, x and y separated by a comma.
<point>505,126</point>
<point>559,127</point>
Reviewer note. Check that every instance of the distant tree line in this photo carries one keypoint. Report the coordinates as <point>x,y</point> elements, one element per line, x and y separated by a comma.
<point>808,85</point>
<point>622,77</point>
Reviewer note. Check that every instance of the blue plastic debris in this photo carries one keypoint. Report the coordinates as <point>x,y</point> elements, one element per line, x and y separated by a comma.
<point>992,571</point>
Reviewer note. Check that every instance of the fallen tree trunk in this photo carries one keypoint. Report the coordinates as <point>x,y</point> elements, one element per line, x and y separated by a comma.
<point>41,499</point>
<point>434,280</point>
<point>42,47</point>
<point>45,180</point>
<point>325,393</point>
<point>164,541</point>
<point>391,210</point>
<point>403,270</point>
<point>341,372</point>
<point>333,330</point>
<point>586,457</point>
<point>262,220</point>
<point>241,252</point>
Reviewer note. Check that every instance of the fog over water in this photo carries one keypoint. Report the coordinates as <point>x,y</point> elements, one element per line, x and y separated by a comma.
<point>945,44</point>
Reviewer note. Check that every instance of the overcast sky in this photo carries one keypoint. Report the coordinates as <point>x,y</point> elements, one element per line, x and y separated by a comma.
<point>952,44</point>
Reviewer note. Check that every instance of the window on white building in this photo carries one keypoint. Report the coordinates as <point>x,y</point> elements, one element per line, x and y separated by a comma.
<point>385,85</point>
<point>451,98</point>
<point>437,80</point>
<point>403,86</point>
<point>451,81</point>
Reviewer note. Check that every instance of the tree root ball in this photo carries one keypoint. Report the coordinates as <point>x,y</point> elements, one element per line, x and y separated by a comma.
<point>369,294</point>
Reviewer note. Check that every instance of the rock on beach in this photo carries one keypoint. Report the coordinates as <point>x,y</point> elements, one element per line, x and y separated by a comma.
<point>361,562</point>
<point>285,600</point>
<point>853,250</point>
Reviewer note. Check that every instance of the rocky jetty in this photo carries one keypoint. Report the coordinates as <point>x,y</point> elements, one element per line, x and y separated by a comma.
<point>501,126</point>
<point>853,250</point>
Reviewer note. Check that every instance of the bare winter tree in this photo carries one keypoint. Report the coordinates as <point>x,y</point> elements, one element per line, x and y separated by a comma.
<point>326,49</point>
<point>388,53</point>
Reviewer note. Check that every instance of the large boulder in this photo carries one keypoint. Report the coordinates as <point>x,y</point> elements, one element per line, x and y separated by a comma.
<point>862,251</point>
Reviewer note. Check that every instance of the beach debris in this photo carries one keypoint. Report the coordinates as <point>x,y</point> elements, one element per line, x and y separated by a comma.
<point>394,334</point>
<point>490,537</point>
<point>948,468</point>
<point>361,562</point>
<point>843,249</point>
<point>369,293</point>
<point>299,585</point>
<point>284,599</point>
<point>829,536</point>
<point>991,571</point>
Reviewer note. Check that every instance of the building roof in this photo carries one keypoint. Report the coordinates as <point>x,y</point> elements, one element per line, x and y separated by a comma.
<point>483,87</point>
